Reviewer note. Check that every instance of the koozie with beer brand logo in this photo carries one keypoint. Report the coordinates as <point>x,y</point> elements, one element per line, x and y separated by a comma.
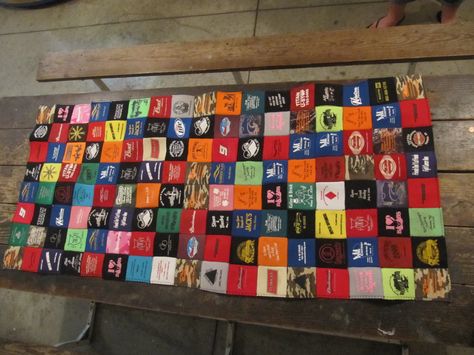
<point>242,280</point>
<point>332,283</point>
<point>418,139</point>
<point>362,252</point>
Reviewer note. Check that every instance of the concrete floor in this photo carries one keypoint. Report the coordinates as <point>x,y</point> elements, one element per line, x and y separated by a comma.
<point>27,34</point>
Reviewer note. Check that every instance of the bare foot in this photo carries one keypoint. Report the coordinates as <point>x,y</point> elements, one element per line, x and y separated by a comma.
<point>387,21</point>
<point>448,14</point>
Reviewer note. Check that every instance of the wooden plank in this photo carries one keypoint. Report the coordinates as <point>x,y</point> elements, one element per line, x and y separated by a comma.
<point>353,318</point>
<point>397,44</point>
<point>11,177</point>
<point>6,213</point>
<point>20,112</point>
<point>457,199</point>
<point>460,247</point>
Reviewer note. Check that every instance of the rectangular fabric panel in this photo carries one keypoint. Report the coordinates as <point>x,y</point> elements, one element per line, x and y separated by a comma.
<point>320,191</point>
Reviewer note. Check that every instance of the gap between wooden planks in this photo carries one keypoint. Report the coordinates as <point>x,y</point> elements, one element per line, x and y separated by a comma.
<point>395,44</point>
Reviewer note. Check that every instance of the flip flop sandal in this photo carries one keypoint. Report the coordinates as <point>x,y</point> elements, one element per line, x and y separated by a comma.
<point>397,24</point>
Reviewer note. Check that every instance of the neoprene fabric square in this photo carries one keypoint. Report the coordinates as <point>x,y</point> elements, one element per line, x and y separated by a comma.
<point>320,191</point>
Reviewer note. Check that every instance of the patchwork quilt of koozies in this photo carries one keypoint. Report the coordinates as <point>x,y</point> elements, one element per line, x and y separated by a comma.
<point>320,191</point>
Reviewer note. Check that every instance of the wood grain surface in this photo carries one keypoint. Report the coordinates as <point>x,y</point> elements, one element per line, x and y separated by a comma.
<point>397,44</point>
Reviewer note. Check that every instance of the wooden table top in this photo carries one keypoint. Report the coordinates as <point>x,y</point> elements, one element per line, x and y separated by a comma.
<point>452,322</point>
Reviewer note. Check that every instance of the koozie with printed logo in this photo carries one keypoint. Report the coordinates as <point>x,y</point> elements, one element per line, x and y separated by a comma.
<point>331,224</point>
<point>332,283</point>
<point>421,164</point>
<point>277,123</point>
<point>398,283</point>
<point>275,147</point>
<point>274,223</point>
<point>214,276</point>
<point>426,222</point>
<point>418,139</point>
<point>356,94</point>
<point>272,281</point>
<point>251,125</point>
<point>301,282</point>
<point>328,94</point>
<point>301,252</point>
<point>361,223</point>
<point>331,253</point>
<point>395,252</point>
<point>362,252</point>
<point>382,91</point>
<point>191,246</point>
<point>387,116</point>
<point>423,193</point>
<point>166,245</point>
<point>429,253</point>
<point>303,121</point>
<point>415,113</point>
<point>301,224</point>
<point>217,248</point>
<point>365,282</point>
<point>242,280</point>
